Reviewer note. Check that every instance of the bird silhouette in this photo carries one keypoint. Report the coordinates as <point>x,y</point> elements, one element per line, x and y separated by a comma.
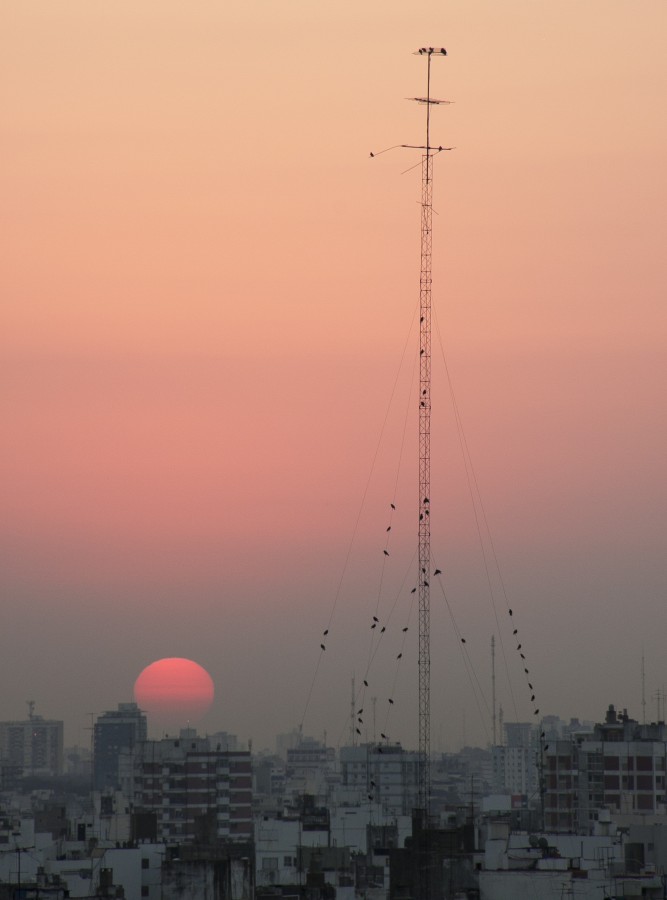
<point>511,613</point>
<point>375,619</point>
<point>406,628</point>
<point>365,683</point>
<point>399,656</point>
<point>392,506</point>
<point>386,552</point>
<point>383,629</point>
<point>389,528</point>
<point>325,632</point>
<point>463,640</point>
<point>438,572</point>
<point>391,701</point>
<point>323,647</point>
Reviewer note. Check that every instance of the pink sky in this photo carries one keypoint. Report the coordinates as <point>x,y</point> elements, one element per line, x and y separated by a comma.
<point>206,288</point>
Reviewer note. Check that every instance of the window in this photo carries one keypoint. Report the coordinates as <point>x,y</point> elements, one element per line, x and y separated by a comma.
<point>269,863</point>
<point>145,891</point>
<point>287,861</point>
<point>144,862</point>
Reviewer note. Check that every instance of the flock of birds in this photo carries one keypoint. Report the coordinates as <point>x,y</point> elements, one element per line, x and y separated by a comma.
<point>378,630</point>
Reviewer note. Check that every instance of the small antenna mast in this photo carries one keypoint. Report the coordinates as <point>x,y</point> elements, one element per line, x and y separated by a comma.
<point>353,727</point>
<point>493,684</point>
<point>643,690</point>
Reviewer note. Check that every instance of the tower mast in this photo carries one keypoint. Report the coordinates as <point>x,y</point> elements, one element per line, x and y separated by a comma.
<point>424,531</point>
<point>425,279</point>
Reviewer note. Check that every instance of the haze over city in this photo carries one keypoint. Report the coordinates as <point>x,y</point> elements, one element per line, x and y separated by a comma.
<point>207,288</point>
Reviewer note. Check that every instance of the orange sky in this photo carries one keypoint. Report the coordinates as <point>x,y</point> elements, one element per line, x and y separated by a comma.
<point>206,288</point>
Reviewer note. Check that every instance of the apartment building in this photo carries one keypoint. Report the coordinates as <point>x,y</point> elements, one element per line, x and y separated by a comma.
<point>196,790</point>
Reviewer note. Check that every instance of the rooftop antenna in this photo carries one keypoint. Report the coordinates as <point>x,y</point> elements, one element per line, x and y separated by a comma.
<point>353,728</point>
<point>643,690</point>
<point>493,684</point>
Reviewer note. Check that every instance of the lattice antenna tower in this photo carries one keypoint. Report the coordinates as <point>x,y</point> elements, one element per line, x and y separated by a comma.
<point>424,532</point>
<point>425,280</point>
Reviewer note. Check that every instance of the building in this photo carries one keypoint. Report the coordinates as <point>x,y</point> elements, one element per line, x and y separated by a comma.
<point>384,774</point>
<point>515,762</point>
<point>114,733</point>
<point>32,747</point>
<point>195,791</point>
<point>619,768</point>
<point>310,769</point>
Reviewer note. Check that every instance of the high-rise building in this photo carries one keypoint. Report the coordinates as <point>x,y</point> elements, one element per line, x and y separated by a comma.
<point>515,762</point>
<point>115,732</point>
<point>32,747</point>
<point>195,790</point>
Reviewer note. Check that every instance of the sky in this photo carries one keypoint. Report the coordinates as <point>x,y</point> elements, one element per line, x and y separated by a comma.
<point>207,291</point>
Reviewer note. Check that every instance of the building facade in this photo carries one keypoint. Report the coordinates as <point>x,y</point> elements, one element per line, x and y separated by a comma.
<point>32,747</point>
<point>196,791</point>
<point>115,733</point>
<point>621,767</point>
<point>385,774</point>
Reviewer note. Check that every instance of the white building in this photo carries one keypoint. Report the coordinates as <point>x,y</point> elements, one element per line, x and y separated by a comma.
<point>383,774</point>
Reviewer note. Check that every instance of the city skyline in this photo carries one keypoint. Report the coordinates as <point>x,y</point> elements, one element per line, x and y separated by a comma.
<point>207,289</point>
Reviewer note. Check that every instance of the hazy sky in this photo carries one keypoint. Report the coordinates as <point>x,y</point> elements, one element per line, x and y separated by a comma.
<point>206,289</point>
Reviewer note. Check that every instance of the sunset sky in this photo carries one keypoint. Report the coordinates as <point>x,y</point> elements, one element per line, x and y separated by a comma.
<point>207,286</point>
